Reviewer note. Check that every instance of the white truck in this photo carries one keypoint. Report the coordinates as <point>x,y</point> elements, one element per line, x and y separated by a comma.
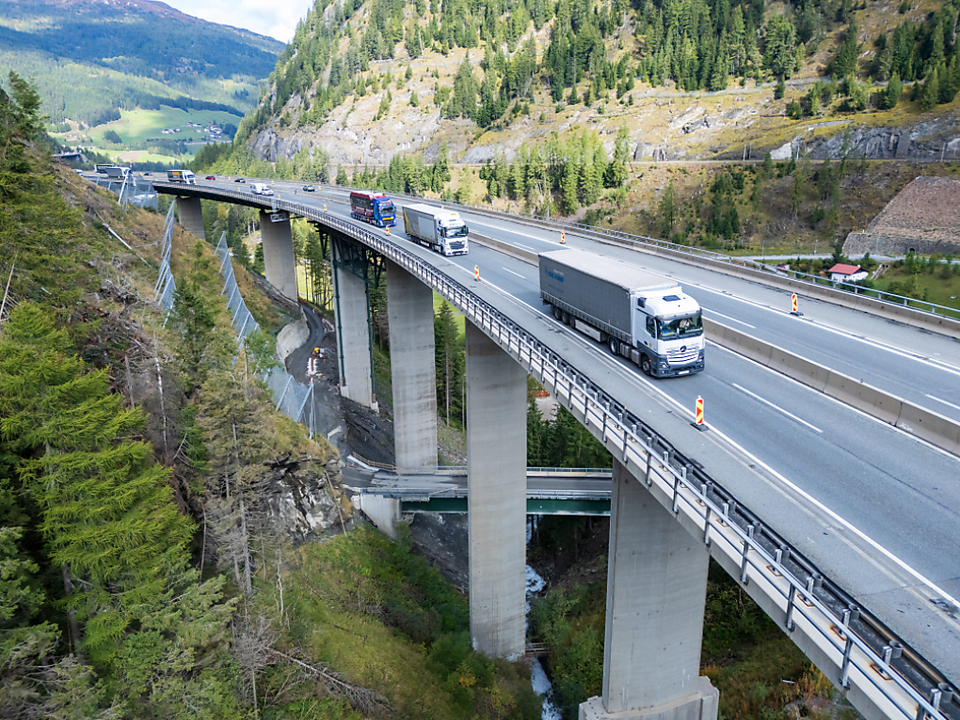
<point>260,189</point>
<point>184,176</point>
<point>443,231</point>
<point>643,317</point>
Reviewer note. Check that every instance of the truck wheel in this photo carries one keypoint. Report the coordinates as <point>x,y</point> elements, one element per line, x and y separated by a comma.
<point>557,313</point>
<point>614,345</point>
<point>645,365</point>
<point>566,318</point>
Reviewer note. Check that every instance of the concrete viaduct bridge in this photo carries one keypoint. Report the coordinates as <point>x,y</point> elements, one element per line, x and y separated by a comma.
<point>677,498</point>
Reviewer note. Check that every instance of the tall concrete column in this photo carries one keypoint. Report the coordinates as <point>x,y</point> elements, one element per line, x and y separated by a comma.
<point>656,588</point>
<point>278,262</point>
<point>353,336</point>
<point>496,496</point>
<point>413,368</point>
<point>191,216</point>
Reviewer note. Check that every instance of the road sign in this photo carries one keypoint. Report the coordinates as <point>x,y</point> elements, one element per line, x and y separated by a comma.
<point>281,216</point>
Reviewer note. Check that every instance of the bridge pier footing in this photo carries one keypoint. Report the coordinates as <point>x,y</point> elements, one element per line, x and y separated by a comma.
<point>496,496</point>
<point>191,216</point>
<point>413,369</point>
<point>656,590</point>
<point>278,262</point>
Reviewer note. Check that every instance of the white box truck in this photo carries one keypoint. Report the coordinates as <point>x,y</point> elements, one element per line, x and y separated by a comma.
<point>184,176</point>
<point>641,316</point>
<point>443,231</point>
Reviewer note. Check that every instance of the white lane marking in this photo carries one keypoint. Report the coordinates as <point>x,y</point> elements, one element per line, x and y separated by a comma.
<point>714,312</point>
<point>777,408</point>
<point>933,587</point>
<point>525,247</point>
<point>514,273</point>
<point>934,397</point>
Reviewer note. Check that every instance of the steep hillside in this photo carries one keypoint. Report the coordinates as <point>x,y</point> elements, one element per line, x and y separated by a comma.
<point>687,79</point>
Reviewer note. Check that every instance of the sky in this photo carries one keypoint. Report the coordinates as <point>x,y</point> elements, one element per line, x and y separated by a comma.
<point>276,18</point>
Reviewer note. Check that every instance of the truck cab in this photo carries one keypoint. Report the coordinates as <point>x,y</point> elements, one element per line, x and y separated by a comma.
<point>669,333</point>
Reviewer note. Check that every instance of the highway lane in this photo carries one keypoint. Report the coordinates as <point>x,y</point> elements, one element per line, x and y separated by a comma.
<point>797,458</point>
<point>916,365</point>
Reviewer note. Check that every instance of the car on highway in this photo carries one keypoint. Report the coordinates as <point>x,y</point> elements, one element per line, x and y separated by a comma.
<point>211,177</point>
<point>308,188</point>
<point>146,174</point>
<point>240,180</point>
<point>78,171</point>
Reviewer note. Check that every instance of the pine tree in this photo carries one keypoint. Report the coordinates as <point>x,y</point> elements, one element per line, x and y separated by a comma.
<point>894,90</point>
<point>571,175</point>
<point>930,94</point>
<point>107,519</point>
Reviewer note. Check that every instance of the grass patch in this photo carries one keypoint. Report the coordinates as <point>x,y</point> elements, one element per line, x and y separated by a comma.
<point>386,621</point>
<point>937,282</point>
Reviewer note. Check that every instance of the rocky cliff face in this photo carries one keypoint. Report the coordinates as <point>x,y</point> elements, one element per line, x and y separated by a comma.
<point>301,500</point>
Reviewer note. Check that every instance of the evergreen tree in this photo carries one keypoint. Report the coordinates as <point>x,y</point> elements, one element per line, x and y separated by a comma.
<point>930,94</point>
<point>449,359</point>
<point>109,526</point>
<point>589,182</point>
<point>948,79</point>
<point>893,92</point>
<point>571,176</point>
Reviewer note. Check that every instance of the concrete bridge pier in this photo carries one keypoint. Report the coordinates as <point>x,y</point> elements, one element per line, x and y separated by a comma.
<point>351,301</point>
<point>279,264</point>
<point>496,496</point>
<point>191,216</point>
<point>413,364</point>
<point>656,589</point>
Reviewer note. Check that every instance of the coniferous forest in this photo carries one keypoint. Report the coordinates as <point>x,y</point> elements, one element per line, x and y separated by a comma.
<point>141,575</point>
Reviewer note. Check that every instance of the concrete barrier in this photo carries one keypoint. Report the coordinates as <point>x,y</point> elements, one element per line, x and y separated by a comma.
<point>935,429</point>
<point>506,248</point>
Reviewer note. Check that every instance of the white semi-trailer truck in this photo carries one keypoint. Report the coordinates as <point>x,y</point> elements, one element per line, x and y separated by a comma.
<point>641,316</point>
<point>443,231</point>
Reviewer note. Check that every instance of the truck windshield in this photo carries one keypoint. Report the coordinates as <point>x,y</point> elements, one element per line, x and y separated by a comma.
<point>681,327</point>
<point>387,208</point>
<point>457,231</point>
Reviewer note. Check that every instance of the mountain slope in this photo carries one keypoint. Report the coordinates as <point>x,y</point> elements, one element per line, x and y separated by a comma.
<point>688,79</point>
<point>89,58</point>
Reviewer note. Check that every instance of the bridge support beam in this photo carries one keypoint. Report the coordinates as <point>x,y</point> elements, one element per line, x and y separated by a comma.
<point>656,589</point>
<point>496,496</point>
<point>353,336</point>
<point>278,262</point>
<point>191,216</point>
<point>413,368</point>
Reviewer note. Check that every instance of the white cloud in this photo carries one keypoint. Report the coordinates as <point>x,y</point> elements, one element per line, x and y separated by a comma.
<point>276,18</point>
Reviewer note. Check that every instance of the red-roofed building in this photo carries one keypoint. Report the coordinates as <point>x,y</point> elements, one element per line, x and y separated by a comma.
<point>847,273</point>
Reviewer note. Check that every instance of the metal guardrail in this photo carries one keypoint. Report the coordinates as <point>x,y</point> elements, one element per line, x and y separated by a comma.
<point>879,671</point>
